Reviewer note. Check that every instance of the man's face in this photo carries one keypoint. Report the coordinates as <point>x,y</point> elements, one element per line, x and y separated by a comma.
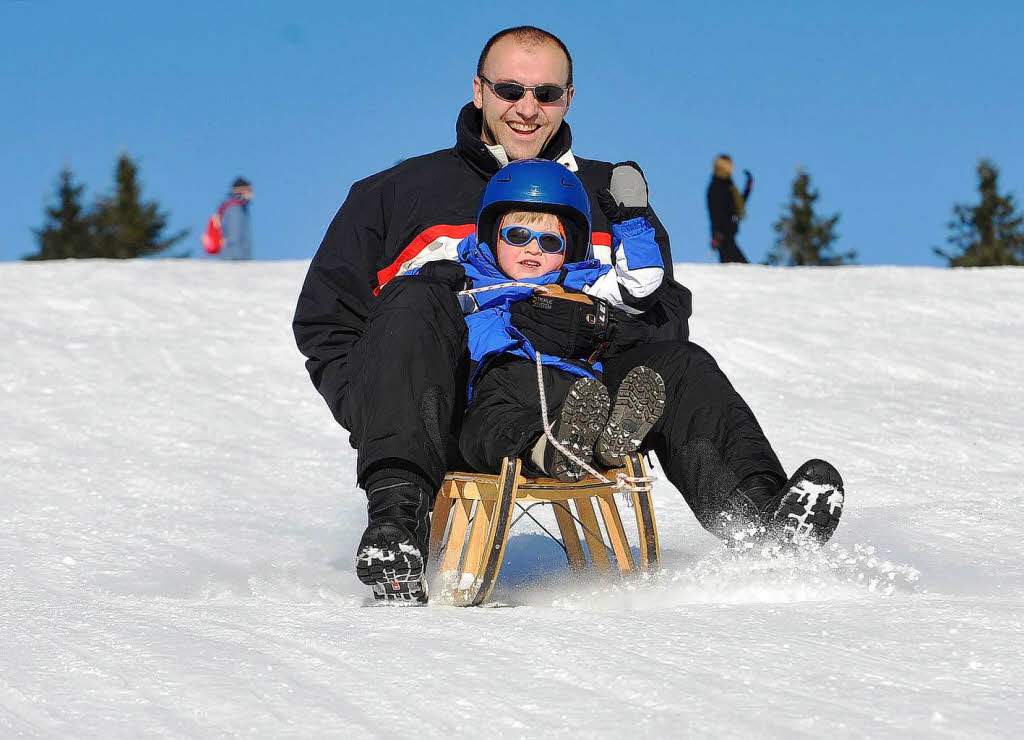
<point>529,260</point>
<point>525,127</point>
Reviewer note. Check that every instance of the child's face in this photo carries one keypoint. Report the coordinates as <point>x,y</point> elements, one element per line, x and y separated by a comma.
<point>530,260</point>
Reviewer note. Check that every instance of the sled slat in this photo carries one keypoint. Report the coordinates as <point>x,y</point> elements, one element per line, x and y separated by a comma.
<point>570,537</point>
<point>439,518</point>
<point>456,538</point>
<point>497,538</point>
<point>646,524</point>
<point>617,535</point>
<point>592,533</point>
<point>471,564</point>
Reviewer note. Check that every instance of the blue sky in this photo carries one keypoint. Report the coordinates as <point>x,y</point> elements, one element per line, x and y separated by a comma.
<point>888,105</point>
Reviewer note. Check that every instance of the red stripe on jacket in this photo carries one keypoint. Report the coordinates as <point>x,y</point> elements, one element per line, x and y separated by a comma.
<point>454,231</point>
<point>417,245</point>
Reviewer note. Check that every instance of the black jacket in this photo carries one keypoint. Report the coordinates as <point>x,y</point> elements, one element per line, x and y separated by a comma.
<point>725,205</point>
<point>420,208</point>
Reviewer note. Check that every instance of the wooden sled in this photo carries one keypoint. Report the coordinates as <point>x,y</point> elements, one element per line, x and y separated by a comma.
<point>473,513</point>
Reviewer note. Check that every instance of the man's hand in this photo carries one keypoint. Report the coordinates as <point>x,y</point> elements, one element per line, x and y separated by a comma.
<point>626,194</point>
<point>628,331</point>
<point>563,328</point>
<point>450,274</point>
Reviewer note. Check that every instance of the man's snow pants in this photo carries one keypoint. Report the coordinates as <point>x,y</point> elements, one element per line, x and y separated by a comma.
<point>406,402</point>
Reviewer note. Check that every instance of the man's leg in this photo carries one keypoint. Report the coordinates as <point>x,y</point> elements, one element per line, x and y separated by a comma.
<point>707,439</point>
<point>407,385</point>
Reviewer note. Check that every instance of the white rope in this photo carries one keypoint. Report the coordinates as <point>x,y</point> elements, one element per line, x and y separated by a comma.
<point>512,284</point>
<point>623,482</point>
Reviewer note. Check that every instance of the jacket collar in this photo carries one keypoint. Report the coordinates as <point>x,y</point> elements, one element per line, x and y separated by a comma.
<point>486,159</point>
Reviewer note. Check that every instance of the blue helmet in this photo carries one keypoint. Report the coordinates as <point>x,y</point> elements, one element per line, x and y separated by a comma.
<point>537,185</point>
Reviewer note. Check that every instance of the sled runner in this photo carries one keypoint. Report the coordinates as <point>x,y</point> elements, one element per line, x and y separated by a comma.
<point>473,513</point>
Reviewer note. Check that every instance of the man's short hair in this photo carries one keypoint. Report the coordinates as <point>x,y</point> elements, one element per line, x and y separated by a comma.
<point>524,35</point>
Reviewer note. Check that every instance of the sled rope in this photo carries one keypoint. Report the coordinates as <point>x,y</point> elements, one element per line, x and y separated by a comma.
<point>623,482</point>
<point>513,284</point>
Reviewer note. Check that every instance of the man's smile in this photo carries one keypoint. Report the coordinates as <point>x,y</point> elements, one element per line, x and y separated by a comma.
<point>523,128</point>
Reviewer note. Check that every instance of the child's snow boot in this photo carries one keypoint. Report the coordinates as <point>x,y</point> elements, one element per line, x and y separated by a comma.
<point>583,415</point>
<point>392,554</point>
<point>638,405</point>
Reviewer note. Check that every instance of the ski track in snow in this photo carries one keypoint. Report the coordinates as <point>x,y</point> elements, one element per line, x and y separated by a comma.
<point>179,521</point>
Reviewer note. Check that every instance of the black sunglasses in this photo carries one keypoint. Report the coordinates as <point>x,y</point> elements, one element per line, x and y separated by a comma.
<point>513,92</point>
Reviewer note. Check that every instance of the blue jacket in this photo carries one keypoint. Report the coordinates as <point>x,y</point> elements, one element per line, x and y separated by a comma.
<point>490,322</point>
<point>237,229</point>
<point>638,271</point>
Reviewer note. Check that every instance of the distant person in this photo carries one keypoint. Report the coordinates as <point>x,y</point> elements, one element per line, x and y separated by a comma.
<point>726,208</point>
<point>229,231</point>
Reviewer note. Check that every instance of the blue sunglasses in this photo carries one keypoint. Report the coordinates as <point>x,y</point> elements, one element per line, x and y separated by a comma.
<point>520,236</point>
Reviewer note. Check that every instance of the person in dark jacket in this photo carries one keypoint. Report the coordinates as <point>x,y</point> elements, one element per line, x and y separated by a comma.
<point>388,351</point>
<point>726,208</point>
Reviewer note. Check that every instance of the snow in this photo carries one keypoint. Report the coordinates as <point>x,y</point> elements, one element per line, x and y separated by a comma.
<point>178,523</point>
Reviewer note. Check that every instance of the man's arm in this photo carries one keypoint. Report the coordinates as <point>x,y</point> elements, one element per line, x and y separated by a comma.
<point>338,291</point>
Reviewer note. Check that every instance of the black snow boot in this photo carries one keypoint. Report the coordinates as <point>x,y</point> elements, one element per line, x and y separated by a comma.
<point>580,421</point>
<point>811,504</point>
<point>748,510</point>
<point>638,405</point>
<point>392,554</point>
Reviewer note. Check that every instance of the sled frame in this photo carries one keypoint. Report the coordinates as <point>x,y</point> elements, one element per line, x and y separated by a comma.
<point>473,514</point>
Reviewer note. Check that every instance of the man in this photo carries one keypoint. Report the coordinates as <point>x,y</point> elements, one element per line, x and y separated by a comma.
<point>388,353</point>
<point>236,226</point>
<point>726,208</point>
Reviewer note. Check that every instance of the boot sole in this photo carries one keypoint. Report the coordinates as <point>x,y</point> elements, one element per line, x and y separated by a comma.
<point>395,573</point>
<point>812,504</point>
<point>580,422</point>
<point>639,404</point>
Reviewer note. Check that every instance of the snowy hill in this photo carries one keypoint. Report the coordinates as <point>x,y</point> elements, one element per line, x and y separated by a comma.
<point>178,521</point>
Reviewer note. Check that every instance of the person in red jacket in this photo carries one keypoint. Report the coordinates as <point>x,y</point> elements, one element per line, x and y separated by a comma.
<point>229,231</point>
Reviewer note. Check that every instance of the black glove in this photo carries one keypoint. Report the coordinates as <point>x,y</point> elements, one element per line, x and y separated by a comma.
<point>564,328</point>
<point>450,274</point>
<point>626,194</point>
<point>628,331</point>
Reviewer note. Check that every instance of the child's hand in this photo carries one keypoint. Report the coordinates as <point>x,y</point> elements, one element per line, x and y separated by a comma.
<point>626,194</point>
<point>562,328</point>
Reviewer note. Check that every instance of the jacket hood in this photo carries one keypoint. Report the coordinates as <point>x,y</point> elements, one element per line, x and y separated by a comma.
<point>474,151</point>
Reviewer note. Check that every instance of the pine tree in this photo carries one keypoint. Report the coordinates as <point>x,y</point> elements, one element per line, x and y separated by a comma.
<point>804,238</point>
<point>126,227</point>
<point>989,233</point>
<point>66,231</point>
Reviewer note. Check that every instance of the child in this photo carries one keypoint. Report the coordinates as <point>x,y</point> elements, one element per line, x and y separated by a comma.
<point>536,214</point>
